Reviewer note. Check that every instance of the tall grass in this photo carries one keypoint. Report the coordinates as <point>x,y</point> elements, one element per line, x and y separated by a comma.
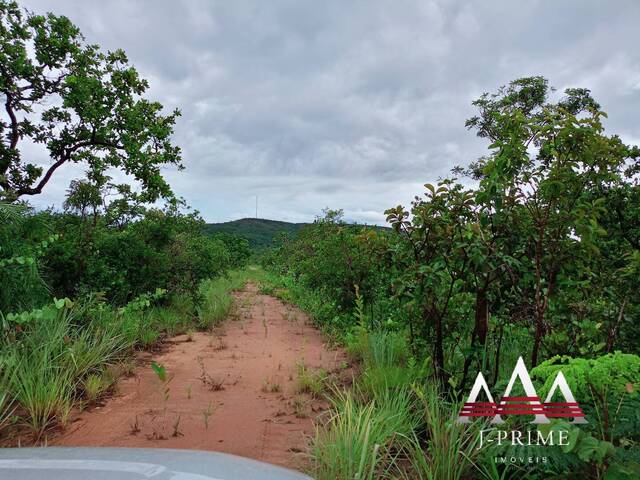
<point>394,423</point>
<point>93,347</point>
<point>450,448</point>
<point>385,361</point>
<point>6,398</point>
<point>362,440</point>
<point>217,300</point>
<point>385,349</point>
<point>377,348</point>
<point>376,381</point>
<point>48,361</point>
<point>44,388</point>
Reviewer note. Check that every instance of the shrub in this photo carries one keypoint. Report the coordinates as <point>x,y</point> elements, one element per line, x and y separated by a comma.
<point>161,249</point>
<point>24,238</point>
<point>608,391</point>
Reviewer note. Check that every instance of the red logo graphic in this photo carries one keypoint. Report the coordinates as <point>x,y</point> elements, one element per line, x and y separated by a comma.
<point>527,405</point>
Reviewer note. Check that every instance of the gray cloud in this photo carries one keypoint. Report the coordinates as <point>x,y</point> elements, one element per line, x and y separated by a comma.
<point>348,104</point>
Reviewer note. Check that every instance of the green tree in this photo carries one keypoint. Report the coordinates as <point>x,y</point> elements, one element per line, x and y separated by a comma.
<point>237,246</point>
<point>549,164</point>
<point>434,246</point>
<point>80,104</point>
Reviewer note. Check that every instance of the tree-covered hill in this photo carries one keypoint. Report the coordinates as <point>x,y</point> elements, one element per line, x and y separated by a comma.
<point>259,232</point>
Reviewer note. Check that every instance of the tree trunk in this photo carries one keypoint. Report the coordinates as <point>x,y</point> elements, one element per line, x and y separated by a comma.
<point>440,352</point>
<point>496,366</point>
<point>429,314</point>
<point>480,330</point>
<point>482,316</point>
<point>613,333</point>
<point>538,338</point>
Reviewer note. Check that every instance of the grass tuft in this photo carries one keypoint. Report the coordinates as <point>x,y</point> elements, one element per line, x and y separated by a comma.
<point>311,381</point>
<point>217,300</point>
<point>360,440</point>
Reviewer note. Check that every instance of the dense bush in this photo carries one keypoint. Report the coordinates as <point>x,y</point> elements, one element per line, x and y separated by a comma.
<point>162,249</point>
<point>237,246</point>
<point>23,239</point>
<point>338,262</point>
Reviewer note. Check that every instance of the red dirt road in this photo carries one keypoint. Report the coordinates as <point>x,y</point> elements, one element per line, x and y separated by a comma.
<point>254,355</point>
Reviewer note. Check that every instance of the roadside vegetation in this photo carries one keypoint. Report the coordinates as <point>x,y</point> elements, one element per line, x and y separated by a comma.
<point>69,350</point>
<point>121,266</point>
<point>532,250</point>
<point>537,258</point>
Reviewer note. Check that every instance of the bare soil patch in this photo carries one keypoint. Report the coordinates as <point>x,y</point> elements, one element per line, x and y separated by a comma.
<point>232,390</point>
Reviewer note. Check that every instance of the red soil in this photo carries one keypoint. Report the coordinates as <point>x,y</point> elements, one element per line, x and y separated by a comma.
<point>259,348</point>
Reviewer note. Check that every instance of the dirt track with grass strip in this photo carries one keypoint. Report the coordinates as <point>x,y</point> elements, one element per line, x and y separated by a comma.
<point>234,390</point>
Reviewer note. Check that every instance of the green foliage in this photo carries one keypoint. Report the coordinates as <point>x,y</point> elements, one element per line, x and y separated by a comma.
<point>615,374</point>
<point>587,448</point>
<point>50,354</point>
<point>237,246</point>
<point>324,310</point>
<point>360,440</point>
<point>384,349</point>
<point>162,249</point>
<point>608,389</point>
<point>144,301</point>
<point>539,258</point>
<point>217,300</point>
<point>386,364</point>
<point>326,262</point>
<point>93,109</point>
<point>23,241</point>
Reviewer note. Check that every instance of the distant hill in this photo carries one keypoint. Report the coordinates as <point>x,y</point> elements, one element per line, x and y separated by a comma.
<point>259,232</point>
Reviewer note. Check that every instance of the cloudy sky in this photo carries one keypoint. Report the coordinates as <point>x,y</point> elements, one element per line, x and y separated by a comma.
<point>348,104</point>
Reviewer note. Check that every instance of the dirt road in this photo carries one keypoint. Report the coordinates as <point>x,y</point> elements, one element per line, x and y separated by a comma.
<point>233,390</point>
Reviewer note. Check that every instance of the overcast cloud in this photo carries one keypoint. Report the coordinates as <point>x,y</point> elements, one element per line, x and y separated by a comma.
<point>348,104</point>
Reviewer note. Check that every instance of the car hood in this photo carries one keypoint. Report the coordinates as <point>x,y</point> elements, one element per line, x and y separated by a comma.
<point>51,463</point>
